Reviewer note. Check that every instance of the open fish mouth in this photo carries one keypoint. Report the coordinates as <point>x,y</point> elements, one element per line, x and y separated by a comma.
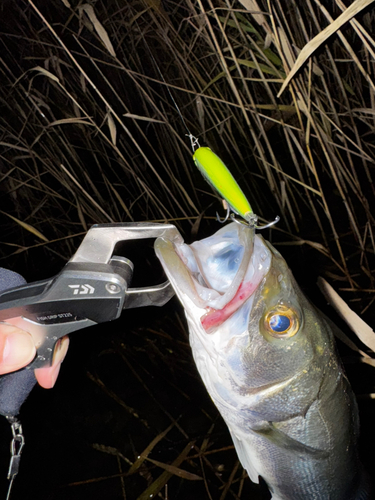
<point>214,277</point>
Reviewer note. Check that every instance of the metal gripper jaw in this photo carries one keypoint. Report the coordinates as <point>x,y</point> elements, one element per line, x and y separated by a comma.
<point>93,287</point>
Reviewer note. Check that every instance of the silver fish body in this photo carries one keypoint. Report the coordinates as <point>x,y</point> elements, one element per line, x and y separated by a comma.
<point>268,360</point>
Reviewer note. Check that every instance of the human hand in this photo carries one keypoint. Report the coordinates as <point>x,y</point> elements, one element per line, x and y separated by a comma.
<point>17,347</point>
<point>17,350</point>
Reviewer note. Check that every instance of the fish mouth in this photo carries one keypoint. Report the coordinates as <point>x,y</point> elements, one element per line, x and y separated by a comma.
<point>213,277</point>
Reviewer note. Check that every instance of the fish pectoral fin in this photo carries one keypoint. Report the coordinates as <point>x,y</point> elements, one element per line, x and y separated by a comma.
<point>248,462</point>
<point>282,440</point>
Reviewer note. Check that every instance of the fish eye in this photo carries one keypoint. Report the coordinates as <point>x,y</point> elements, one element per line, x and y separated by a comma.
<point>281,321</point>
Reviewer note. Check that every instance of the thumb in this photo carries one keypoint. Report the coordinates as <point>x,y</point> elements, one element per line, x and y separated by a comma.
<point>16,348</point>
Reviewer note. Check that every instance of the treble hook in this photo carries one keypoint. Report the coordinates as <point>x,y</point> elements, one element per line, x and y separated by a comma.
<point>226,217</point>
<point>252,221</point>
<point>277,218</point>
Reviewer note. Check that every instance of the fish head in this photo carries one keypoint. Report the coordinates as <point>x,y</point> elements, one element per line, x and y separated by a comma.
<point>252,331</point>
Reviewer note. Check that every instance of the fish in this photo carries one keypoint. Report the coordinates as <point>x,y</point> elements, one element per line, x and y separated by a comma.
<point>269,362</point>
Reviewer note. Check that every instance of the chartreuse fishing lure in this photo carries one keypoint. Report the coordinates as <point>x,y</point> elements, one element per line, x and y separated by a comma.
<point>219,177</point>
<point>217,174</point>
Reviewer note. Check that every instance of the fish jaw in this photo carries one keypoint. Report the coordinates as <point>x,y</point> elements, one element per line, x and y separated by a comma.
<point>214,277</point>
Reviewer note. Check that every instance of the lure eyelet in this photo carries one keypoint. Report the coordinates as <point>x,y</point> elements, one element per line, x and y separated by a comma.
<point>281,322</point>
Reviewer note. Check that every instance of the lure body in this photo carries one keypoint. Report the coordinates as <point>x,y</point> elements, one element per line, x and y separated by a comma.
<point>218,175</point>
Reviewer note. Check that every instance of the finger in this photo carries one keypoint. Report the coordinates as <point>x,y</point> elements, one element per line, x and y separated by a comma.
<point>16,348</point>
<point>47,376</point>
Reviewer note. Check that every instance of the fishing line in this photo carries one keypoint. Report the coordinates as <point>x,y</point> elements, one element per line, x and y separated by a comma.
<point>193,140</point>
